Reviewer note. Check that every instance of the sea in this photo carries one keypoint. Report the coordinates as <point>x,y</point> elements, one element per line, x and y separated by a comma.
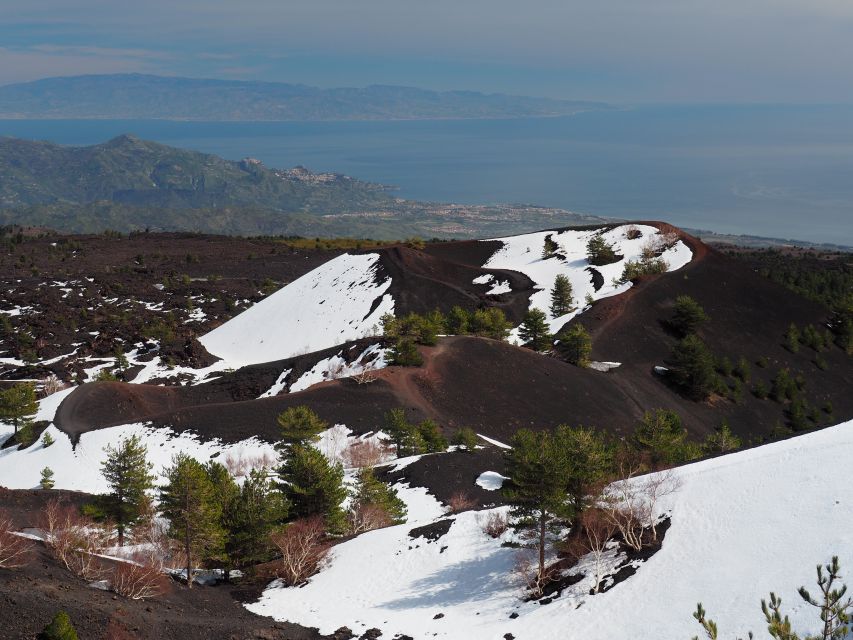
<point>767,170</point>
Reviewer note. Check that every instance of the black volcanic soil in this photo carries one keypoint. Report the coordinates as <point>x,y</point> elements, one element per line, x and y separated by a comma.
<point>78,285</point>
<point>441,276</point>
<point>31,596</point>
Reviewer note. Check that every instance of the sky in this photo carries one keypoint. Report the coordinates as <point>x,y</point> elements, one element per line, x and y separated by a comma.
<point>633,51</point>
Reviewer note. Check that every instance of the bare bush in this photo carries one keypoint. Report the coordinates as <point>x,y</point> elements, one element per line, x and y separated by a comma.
<point>366,517</point>
<point>137,579</point>
<point>240,466</point>
<point>526,573</point>
<point>460,501</point>
<point>366,375</point>
<point>50,385</point>
<point>632,232</point>
<point>15,550</point>
<point>598,529</point>
<point>365,453</point>
<point>75,540</point>
<point>303,548</point>
<point>495,524</point>
<point>631,505</point>
<point>151,534</point>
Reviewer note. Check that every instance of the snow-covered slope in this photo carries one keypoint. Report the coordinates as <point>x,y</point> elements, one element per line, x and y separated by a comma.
<point>336,302</point>
<point>524,254</point>
<point>742,525</point>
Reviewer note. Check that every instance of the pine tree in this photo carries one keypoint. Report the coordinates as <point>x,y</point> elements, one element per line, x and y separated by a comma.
<point>693,367</point>
<point>662,434</point>
<point>249,519</point>
<point>60,628</point>
<point>189,502</point>
<point>397,427</point>
<point>599,252</point>
<point>536,489</point>
<point>467,438</point>
<point>534,330</point>
<point>46,481</point>
<point>576,344</point>
<point>589,457</point>
<point>127,473</point>
<point>299,426</point>
<point>721,441</point>
<point>434,440</point>
<point>562,296</point>
<point>792,338</point>
<point>549,247</point>
<point>687,316</point>
<point>18,404</point>
<point>227,492</point>
<point>405,353</point>
<point>313,486</point>
<point>457,321</point>
<point>369,491</point>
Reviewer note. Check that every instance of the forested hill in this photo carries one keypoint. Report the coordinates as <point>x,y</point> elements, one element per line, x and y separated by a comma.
<point>123,96</point>
<point>130,171</point>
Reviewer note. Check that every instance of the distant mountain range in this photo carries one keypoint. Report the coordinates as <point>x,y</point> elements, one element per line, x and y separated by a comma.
<point>137,96</point>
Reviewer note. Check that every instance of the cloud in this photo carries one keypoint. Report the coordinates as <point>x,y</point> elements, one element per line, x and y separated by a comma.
<point>669,49</point>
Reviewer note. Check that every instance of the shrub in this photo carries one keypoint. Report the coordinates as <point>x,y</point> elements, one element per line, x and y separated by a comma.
<point>742,369</point>
<point>662,434</point>
<point>46,481</point>
<point>792,338</point>
<point>364,453</point>
<point>693,368</point>
<point>495,524</point>
<point>576,343</point>
<point>759,390</point>
<point>632,232</point>
<point>460,501</point>
<point>599,252</point>
<point>137,579</point>
<point>784,387</point>
<point>687,316</point>
<point>721,441</point>
<point>303,549</point>
<point>15,551</point>
<point>406,354</point>
<point>430,433</point>
<point>633,269</point>
<point>60,628</point>
<point>466,437</point>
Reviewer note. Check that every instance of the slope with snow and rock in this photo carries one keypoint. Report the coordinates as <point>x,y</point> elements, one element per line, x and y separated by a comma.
<point>741,525</point>
<point>524,253</point>
<point>339,301</point>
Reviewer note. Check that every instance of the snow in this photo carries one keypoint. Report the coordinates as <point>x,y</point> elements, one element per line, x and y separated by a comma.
<point>603,366</point>
<point>494,442</point>
<point>278,385</point>
<point>524,254</point>
<point>79,468</point>
<point>742,525</point>
<point>336,302</point>
<point>502,286</point>
<point>334,367</point>
<point>490,480</point>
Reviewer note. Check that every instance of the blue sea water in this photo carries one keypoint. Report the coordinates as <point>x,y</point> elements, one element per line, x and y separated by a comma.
<point>781,171</point>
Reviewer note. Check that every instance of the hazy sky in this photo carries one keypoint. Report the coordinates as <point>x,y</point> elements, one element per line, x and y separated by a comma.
<point>618,50</point>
